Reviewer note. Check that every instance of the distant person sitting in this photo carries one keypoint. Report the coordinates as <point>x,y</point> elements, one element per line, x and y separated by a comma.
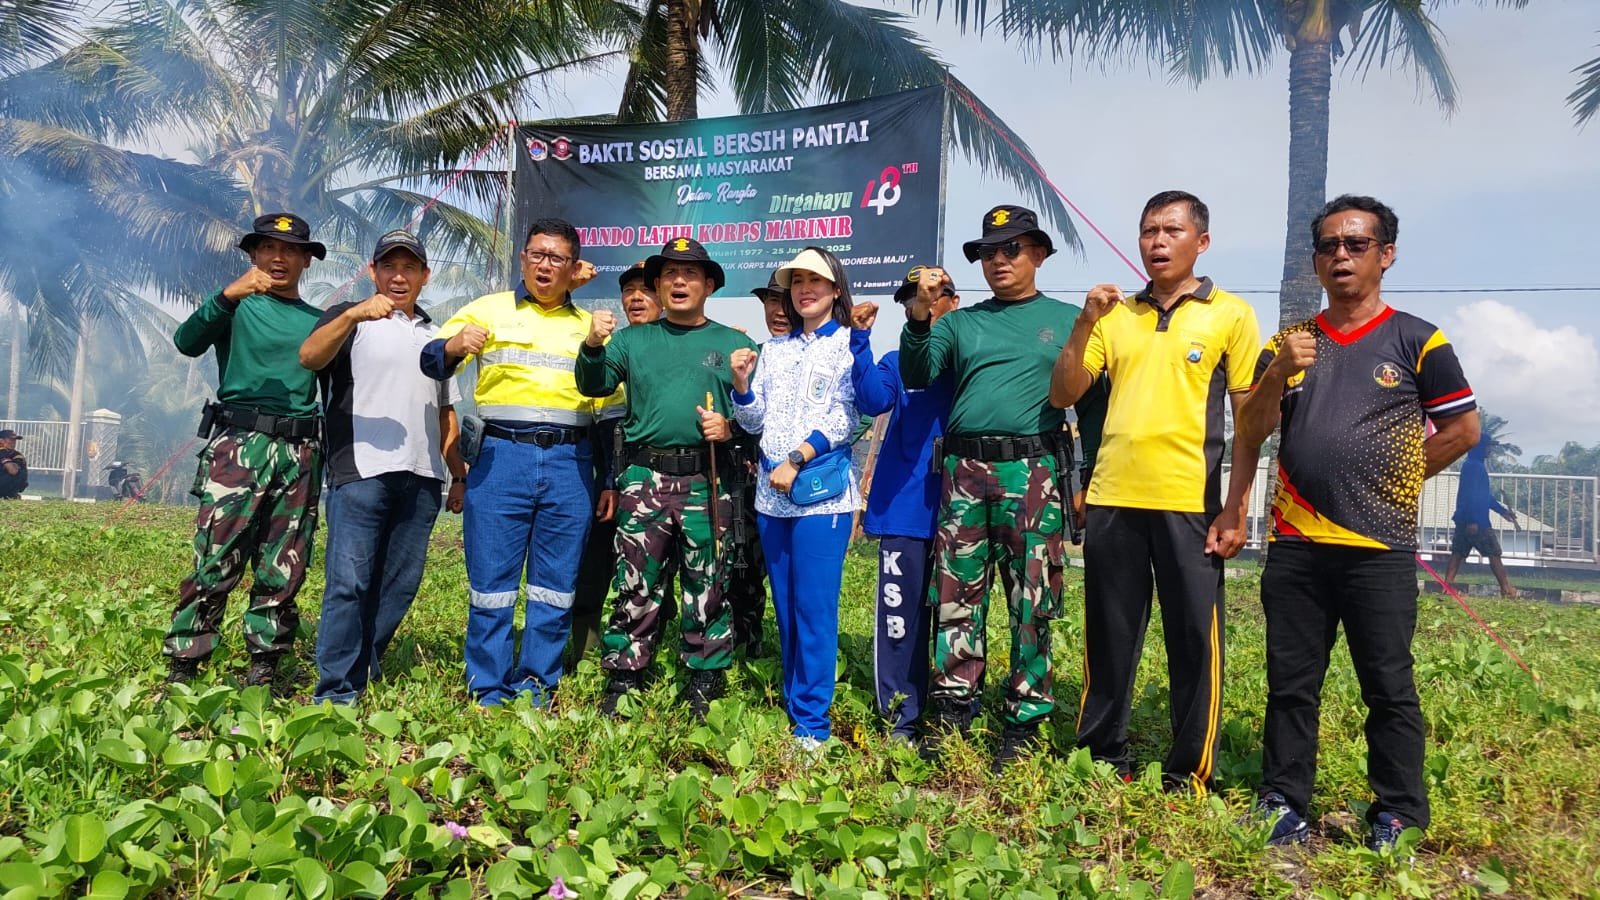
<point>13,467</point>
<point>1474,500</point>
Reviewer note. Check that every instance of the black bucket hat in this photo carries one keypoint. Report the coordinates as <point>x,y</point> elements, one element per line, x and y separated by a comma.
<point>908,287</point>
<point>771,291</point>
<point>684,250</point>
<point>635,271</point>
<point>1003,223</point>
<point>286,227</point>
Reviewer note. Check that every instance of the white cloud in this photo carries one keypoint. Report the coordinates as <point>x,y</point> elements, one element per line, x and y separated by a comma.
<point>1543,381</point>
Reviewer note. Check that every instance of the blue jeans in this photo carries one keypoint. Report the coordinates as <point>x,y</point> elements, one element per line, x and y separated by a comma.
<point>528,509</point>
<point>805,564</point>
<point>377,540</point>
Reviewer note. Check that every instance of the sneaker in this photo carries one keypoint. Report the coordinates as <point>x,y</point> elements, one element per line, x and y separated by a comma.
<point>1384,833</point>
<point>1015,740</point>
<point>1288,826</point>
<point>705,685</point>
<point>182,671</point>
<point>619,682</point>
<point>262,671</point>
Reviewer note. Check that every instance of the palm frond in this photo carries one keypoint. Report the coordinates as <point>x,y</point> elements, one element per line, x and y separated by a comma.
<point>34,29</point>
<point>1585,99</point>
<point>1401,30</point>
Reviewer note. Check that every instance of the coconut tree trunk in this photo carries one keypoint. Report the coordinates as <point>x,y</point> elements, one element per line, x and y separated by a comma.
<point>19,336</point>
<point>683,60</point>
<point>1310,85</point>
<point>80,365</point>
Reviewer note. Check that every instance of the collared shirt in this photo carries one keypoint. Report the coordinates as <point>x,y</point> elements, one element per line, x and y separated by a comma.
<point>525,366</point>
<point>1171,371</point>
<point>1350,457</point>
<point>382,413</point>
<point>801,391</point>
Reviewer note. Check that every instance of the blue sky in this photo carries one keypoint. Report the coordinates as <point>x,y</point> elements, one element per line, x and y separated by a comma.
<point>1501,194</point>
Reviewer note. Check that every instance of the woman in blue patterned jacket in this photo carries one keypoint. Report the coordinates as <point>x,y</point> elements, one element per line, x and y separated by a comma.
<point>801,401</point>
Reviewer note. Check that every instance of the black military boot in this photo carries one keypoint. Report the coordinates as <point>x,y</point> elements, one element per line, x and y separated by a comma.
<point>705,685</point>
<point>262,670</point>
<point>182,671</point>
<point>1015,740</point>
<point>947,719</point>
<point>619,682</point>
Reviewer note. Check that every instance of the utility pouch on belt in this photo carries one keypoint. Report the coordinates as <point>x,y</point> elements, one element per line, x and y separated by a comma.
<point>936,463</point>
<point>208,420</point>
<point>471,438</point>
<point>1064,485</point>
<point>619,455</point>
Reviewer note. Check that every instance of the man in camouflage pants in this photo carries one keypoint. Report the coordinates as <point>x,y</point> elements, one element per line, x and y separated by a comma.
<point>1001,499</point>
<point>261,473</point>
<point>670,366</point>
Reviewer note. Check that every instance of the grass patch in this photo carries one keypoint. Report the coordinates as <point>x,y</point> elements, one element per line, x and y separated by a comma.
<point>108,788</point>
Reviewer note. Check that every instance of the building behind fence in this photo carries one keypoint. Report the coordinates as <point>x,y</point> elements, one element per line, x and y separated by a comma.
<point>1557,515</point>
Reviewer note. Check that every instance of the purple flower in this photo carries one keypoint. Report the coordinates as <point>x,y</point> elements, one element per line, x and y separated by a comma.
<point>559,891</point>
<point>457,830</point>
<point>235,730</point>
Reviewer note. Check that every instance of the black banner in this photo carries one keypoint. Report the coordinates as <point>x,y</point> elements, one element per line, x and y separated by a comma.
<point>860,178</point>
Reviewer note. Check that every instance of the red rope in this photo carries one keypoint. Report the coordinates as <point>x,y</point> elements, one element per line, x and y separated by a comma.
<point>460,172</point>
<point>1476,618</point>
<point>145,486</point>
<point>1033,164</point>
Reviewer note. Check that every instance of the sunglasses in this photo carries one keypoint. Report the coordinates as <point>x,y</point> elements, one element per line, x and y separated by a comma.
<point>1355,246</point>
<point>1009,249</point>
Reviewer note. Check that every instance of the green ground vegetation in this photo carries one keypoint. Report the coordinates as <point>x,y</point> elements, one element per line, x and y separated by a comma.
<point>111,787</point>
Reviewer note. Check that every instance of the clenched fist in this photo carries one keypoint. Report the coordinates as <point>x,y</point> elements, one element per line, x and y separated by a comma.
<point>1102,299</point>
<point>1297,354</point>
<point>743,362</point>
<point>253,281</point>
<point>601,324</point>
<point>376,307</point>
<point>467,341</point>
<point>863,314</point>
<point>930,283</point>
<point>582,273</point>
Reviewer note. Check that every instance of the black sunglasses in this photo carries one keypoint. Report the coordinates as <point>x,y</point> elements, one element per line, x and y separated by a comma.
<point>1355,246</point>
<point>1009,249</point>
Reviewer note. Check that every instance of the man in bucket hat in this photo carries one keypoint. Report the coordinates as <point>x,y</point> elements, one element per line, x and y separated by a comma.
<point>1006,472</point>
<point>669,367</point>
<point>13,467</point>
<point>261,471</point>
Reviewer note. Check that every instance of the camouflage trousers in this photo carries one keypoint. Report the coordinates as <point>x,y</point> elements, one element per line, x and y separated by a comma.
<point>1007,515</point>
<point>258,504</point>
<point>662,518</point>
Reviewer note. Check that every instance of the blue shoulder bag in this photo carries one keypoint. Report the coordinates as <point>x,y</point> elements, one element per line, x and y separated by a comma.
<point>823,478</point>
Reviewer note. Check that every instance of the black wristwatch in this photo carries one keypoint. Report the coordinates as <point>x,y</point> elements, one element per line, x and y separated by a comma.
<point>796,458</point>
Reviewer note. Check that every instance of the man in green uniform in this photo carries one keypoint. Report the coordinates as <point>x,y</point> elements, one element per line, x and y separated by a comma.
<point>669,366</point>
<point>261,471</point>
<point>1004,481</point>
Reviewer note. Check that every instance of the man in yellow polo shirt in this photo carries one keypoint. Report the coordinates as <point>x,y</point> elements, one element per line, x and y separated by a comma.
<point>531,487</point>
<point>1176,352</point>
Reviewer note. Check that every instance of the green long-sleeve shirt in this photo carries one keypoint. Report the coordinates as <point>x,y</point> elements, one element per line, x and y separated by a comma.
<point>668,370</point>
<point>258,351</point>
<point>1001,354</point>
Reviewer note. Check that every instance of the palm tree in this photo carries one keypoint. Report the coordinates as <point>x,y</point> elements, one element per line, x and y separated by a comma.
<point>1585,99</point>
<point>782,54</point>
<point>1199,38</point>
<point>1502,454</point>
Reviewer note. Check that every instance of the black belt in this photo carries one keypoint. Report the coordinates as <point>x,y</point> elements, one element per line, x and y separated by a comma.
<point>543,436</point>
<point>1002,448</point>
<point>671,460</point>
<point>277,426</point>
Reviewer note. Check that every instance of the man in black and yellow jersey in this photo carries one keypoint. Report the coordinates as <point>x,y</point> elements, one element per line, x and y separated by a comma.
<point>1177,353</point>
<point>531,488</point>
<point>1352,387</point>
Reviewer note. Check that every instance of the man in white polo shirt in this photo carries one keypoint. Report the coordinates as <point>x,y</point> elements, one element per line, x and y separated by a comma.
<point>391,437</point>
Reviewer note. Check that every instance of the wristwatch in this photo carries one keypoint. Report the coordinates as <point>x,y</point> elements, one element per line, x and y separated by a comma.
<point>796,458</point>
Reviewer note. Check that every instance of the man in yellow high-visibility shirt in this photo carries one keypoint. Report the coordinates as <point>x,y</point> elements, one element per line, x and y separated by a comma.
<point>531,487</point>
